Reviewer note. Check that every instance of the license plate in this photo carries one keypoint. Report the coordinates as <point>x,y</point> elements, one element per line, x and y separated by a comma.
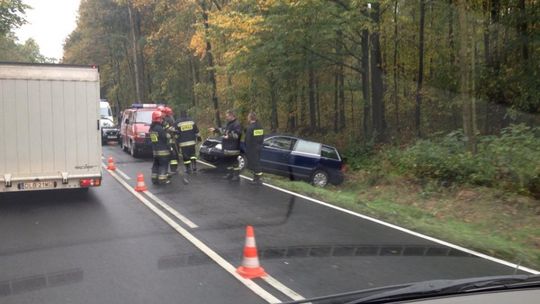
<point>112,137</point>
<point>38,185</point>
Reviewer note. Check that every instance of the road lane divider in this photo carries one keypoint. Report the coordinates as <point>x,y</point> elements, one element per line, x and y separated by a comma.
<point>171,210</point>
<point>121,173</point>
<point>402,229</point>
<point>282,288</point>
<point>258,290</point>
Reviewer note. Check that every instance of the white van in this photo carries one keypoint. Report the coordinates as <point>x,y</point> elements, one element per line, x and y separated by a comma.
<point>109,130</point>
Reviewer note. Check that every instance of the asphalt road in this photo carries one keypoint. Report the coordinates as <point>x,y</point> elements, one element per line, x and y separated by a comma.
<point>107,246</point>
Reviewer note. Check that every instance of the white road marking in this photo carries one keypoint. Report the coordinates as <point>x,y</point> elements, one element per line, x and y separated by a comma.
<point>423,236</point>
<point>125,176</point>
<point>472,252</point>
<point>200,245</point>
<point>171,210</point>
<point>282,288</point>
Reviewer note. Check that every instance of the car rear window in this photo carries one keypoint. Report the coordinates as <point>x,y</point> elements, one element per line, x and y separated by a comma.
<point>329,152</point>
<point>304,146</point>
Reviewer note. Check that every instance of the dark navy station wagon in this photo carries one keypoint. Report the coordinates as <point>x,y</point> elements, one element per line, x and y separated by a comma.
<point>290,156</point>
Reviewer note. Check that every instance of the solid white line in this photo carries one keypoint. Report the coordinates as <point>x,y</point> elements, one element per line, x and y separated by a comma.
<point>472,252</point>
<point>125,176</point>
<point>282,288</point>
<point>200,245</point>
<point>171,210</point>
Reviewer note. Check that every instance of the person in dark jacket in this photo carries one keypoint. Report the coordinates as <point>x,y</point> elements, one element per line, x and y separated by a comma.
<point>160,149</point>
<point>188,135</point>
<point>231,144</point>
<point>169,126</point>
<point>254,140</point>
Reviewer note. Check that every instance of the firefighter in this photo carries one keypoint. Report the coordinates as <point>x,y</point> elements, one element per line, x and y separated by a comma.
<point>160,148</point>
<point>254,141</point>
<point>188,135</point>
<point>168,124</point>
<point>231,145</point>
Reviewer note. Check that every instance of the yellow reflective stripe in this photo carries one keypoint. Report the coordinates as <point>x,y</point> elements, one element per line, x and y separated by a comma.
<point>174,162</point>
<point>258,132</point>
<point>187,162</point>
<point>154,137</point>
<point>162,153</point>
<point>187,143</point>
<point>186,125</point>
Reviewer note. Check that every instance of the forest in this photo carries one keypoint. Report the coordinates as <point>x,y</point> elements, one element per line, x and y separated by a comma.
<point>381,71</point>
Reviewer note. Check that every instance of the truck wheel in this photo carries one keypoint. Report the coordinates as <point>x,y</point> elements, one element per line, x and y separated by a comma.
<point>319,178</point>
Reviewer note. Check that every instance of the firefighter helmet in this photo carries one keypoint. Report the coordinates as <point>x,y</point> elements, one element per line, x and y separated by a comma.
<point>157,116</point>
<point>167,111</point>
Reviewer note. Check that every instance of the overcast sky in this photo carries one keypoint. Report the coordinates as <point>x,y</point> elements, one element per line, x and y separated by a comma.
<point>49,23</point>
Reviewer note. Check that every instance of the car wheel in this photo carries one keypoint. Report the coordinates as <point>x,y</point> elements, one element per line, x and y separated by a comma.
<point>242,162</point>
<point>133,150</point>
<point>319,178</point>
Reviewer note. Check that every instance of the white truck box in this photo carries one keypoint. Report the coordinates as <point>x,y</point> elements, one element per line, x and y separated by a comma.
<point>49,127</point>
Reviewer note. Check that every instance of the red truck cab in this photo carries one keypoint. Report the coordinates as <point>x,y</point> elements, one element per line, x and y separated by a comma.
<point>134,129</point>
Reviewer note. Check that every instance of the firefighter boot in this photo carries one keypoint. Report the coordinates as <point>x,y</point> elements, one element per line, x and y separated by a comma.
<point>194,165</point>
<point>187,169</point>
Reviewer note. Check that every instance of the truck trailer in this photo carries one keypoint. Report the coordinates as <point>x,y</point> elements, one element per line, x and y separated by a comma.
<point>49,127</point>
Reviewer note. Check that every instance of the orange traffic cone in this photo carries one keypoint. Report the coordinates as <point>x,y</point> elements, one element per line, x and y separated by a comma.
<point>141,186</point>
<point>111,165</point>
<point>250,268</point>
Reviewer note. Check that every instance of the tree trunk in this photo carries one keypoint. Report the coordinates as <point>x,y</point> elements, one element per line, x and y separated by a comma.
<point>318,102</point>
<point>303,106</point>
<point>468,124</point>
<point>418,106</point>
<point>336,104</point>
<point>136,60</point>
<point>342,120</point>
<point>395,70</point>
<point>311,96</point>
<point>291,119</point>
<point>274,124</point>
<point>194,80</point>
<point>376,77</point>
<point>366,123</point>
<point>522,31</point>
<point>211,67</point>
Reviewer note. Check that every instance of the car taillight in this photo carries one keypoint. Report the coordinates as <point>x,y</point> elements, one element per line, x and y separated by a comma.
<point>90,182</point>
<point>344,168</point>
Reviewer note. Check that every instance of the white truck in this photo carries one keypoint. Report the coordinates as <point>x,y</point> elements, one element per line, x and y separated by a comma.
<point>49,127</point>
